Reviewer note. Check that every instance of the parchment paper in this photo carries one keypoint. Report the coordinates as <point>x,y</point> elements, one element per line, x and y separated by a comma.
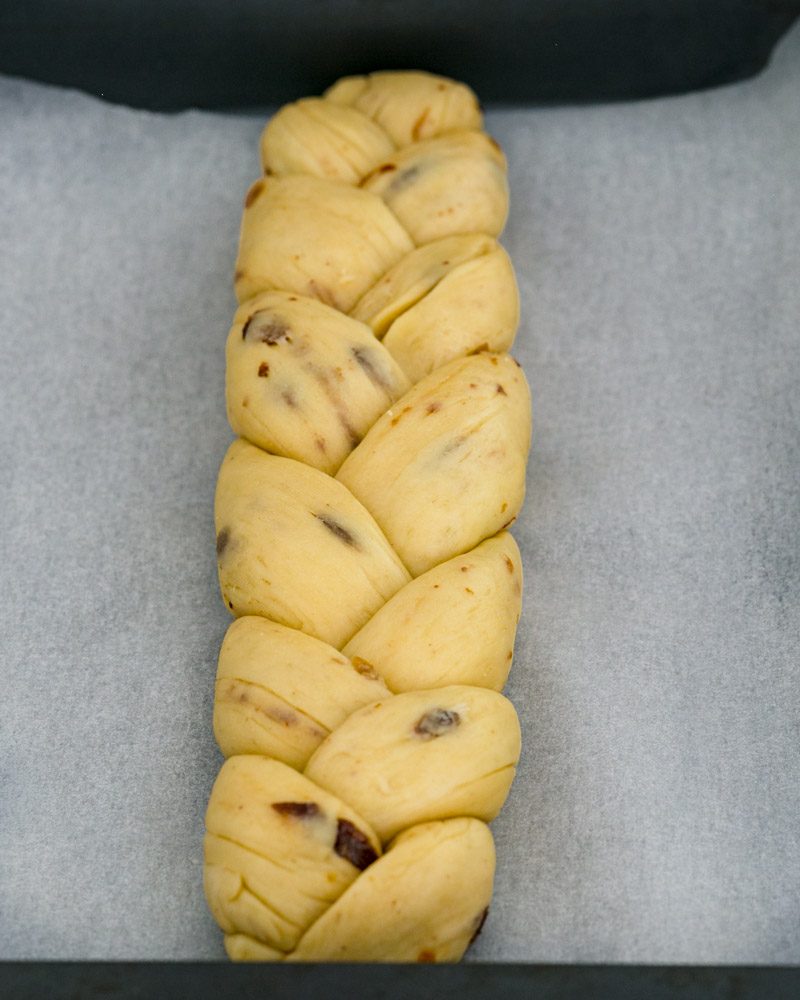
<point>655,814</point>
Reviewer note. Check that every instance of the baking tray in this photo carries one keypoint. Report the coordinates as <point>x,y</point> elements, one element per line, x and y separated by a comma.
<point>654,245</point>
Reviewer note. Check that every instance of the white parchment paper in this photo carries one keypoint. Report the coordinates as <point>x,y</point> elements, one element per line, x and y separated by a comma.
<point>655,813</point>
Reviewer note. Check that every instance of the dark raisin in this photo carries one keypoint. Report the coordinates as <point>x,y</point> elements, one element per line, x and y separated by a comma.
<point>437,722</point>
<point>371,371</point>
<point>336,529</point>
<point>352,434</point>
<point>302,810</point>
<point>353,845</point>
<point>266,328</point>
<point>223,538</point>
<point>274,333</point>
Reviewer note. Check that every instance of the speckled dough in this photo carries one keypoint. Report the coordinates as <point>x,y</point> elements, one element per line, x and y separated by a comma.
<point>323,139</point>
<point>445,467</point>
<point>316,237</point>
<point>409,106</point>
<point>450,298</point>
<point>454,624</point>
<point>425,900</point>
<point>305,381</point>
<point>455,183</point>
<point>423,755</point>
<point>280,692</point>
<point>361,521</point>
<point>279,850</point>
<point>296,546</point>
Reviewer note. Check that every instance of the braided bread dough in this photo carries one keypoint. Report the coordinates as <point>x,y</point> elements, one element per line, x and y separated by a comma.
<point>361,513</point>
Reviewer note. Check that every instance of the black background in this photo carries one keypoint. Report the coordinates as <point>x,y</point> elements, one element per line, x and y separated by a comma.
<point>218,981</point>
<point>171,54</point>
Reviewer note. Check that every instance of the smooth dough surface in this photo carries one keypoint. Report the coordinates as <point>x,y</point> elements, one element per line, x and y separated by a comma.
<point>450,298</point>
<point>296,546</point>
<point>280,692</point>
<point>444,468</point>
<point>454,624</point>
<point>305,381</point>
<point>323,139</point>
<point>315,237</point>
<point>455,183</point>
<point>423,901</point>
<point>274,852</point>
<point>423,755</point>
<point>410,105</point>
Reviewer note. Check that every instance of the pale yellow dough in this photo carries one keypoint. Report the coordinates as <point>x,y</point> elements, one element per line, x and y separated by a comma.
<point>280,692</point>
<point>272,861</point>
<point>296,546</point>
<point>454,624</point>
<point>320,138</point>
<point>242,948</point>
<point>445,467</point>
<point>455,183</point>
<point>382,435</point>
<point>409,105</point>
<point>423,755</point>
<point>316,237</point>
<point>442,301</point>
<point>423,901</point>
<point>304,381</point>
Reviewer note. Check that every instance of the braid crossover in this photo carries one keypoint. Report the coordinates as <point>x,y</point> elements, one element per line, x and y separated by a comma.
<point>383,434</point>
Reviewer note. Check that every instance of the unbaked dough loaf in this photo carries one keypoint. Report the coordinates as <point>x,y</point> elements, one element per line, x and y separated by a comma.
<point>361,521</point>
